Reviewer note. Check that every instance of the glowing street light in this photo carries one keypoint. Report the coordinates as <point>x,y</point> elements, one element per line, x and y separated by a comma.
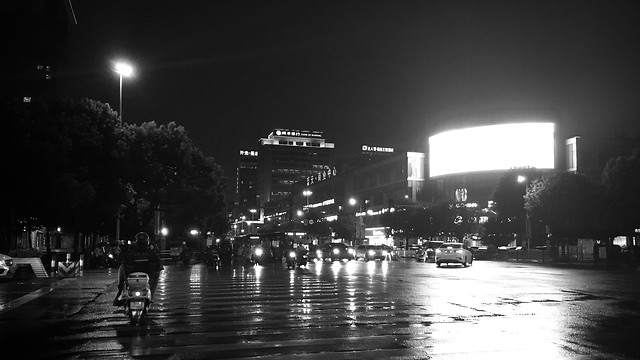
<point>307,193</point>
<point>123,70</point>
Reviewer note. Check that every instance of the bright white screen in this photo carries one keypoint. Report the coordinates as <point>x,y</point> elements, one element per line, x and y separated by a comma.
<point>493,147</point>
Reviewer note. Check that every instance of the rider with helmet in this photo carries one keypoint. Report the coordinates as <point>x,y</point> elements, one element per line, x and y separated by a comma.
<point>141,257</point>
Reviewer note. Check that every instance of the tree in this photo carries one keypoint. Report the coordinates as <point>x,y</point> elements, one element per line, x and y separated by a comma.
<point>508,197</point>
<point>63,158</point>
<point>407,222</point>
<point>569,203</point>
<point>620,179</point>
<point>167,172</point>
<point>345,226</point>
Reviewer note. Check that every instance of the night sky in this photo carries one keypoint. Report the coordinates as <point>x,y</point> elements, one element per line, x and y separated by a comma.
<point>363,72</point>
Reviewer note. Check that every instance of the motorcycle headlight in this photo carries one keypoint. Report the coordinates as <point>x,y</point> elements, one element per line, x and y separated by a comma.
<point>336,251</point>
<point>292,254</point>
<point>259,252</point>
<point>111,256</point>
<point>138,293</point>
<point>351,251</point>
<point>385,253</point>
<point>319,253</point>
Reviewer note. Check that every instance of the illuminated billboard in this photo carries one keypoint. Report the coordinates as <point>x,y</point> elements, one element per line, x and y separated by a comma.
<point>492,147</point>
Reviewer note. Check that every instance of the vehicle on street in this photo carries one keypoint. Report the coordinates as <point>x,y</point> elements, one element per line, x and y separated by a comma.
<point>427,252</point>
<point>337,251</point>
<point>453,253</point>
<point>482,253</point>
<point>372,252</point>
<point>137,297</point>
<point>7,267</point>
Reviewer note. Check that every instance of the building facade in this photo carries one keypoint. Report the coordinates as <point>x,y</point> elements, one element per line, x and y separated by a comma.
<point>286,158</point>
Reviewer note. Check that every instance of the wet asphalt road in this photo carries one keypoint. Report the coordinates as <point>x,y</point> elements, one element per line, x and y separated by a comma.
<point>349,310</point>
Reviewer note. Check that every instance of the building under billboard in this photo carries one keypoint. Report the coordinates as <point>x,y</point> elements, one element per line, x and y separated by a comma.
<point>286,158</point>
<point>360,190</point>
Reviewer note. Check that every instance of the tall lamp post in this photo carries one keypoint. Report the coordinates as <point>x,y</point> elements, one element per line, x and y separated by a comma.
<point>123,70</point>
<point>307,193</point>
<point>527,225</point>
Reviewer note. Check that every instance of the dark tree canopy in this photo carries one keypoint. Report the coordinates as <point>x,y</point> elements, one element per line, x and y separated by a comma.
<point>621,179</point>
<point>73,164</point>
<point>569,203</point>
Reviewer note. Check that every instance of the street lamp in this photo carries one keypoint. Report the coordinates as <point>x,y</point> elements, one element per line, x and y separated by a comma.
<point>123,70</point>
<point>307,193</point>
<point>527,225</point>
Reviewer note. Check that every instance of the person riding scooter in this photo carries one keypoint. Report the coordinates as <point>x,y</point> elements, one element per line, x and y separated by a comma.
<point>141,258</point>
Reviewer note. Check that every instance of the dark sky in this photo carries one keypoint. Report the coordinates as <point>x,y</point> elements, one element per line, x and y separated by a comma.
<point>374,72</point>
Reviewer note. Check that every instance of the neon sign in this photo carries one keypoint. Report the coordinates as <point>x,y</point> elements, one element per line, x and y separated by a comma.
<point>321,176</point>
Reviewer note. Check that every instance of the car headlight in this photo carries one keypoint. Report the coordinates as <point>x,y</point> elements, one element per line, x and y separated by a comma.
<point>351,251</point>
<point>8,262</point>
<point>336,251</point>
<point>438,250</point>
<point>371,252</point>
<point>458,251</point>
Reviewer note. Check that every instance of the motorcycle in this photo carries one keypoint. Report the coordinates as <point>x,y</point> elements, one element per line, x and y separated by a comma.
<point>111,261</point>
<point>212,259</point>
<point>296,259</point>
<point>185,257</point>
<point>257,256</point>
<point>137,297</point>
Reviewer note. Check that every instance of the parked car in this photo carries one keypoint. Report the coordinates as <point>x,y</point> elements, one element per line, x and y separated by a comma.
<point>372,252</point>
<point>7,267</point>
<point>337,251</point>
<point>456,253</point>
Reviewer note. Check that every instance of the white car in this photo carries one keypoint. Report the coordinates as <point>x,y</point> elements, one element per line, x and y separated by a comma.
<point>7,267</point>
<point>456,253</point>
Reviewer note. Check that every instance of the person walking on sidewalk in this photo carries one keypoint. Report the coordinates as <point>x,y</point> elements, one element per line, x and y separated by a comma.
<point>141,257</point>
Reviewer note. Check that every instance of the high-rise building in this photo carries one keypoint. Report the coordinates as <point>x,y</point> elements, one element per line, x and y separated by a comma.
<point>246,196</point>
<point>287,157</point>
<point>34,36</point>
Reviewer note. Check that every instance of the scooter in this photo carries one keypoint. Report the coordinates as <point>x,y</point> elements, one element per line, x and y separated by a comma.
<point>256,256</point>
<point>212,259</point>
<point>185,257</point>
<point>291,260</point>
<point>137,297</point>
<point>296,259</point>
<point>111,261</point>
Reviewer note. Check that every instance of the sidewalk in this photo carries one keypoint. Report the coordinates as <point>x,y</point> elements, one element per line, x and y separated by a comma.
<point>76,293</point>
